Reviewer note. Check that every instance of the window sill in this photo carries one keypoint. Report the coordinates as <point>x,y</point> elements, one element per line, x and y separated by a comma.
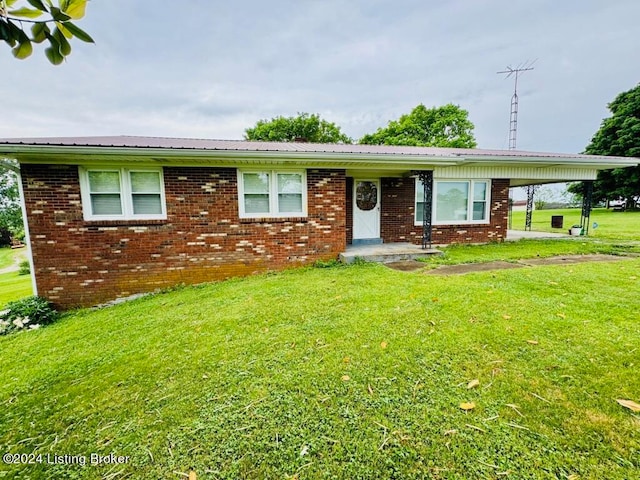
<point>130,222</point>
<point>275,220</point>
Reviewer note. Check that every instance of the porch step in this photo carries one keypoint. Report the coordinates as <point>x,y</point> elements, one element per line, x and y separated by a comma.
<point>386,252</point>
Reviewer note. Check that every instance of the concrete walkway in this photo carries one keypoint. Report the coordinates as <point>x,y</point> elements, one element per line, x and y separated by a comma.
<point>515,235</point>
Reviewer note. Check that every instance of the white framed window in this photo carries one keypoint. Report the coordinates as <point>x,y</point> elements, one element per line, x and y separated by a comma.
<point>272,193</point>
<point>113,193</point>
<point>455,202</point>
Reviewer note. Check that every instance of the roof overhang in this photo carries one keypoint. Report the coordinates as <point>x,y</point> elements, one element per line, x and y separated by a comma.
<point>390,160</point>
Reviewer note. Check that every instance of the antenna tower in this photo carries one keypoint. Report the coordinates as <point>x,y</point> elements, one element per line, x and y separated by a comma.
<point>513,120</point>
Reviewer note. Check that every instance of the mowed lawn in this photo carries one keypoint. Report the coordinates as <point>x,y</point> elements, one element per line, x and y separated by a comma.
<point>352,372</point>
<point>611,226</point>
<point>13,286</point>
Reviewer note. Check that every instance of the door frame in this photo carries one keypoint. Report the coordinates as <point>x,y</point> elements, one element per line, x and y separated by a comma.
<point>375,214</point>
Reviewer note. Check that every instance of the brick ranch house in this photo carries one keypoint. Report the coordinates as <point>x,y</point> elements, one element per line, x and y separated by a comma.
<point>109,217</point>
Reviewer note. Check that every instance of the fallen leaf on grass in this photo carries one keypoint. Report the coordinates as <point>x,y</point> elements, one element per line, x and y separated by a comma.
<point>553,283</point>
<point>346,378</point>
<point>506,317</point>
<point>370,389</point>
<point>561,315</point>
<point>346,360</point>
<point>383,345</point>
<point>633,277</point>
<point>466,406</point>
<point>532,342</point>
<point>473,383</point>
<point>631,405</point>
<point>192,475</point>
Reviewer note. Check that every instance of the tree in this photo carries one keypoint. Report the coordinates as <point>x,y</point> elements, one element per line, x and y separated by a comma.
<point>446,126</point>
<point>619,135</point>
<point>11,225</point>
<point>302,128</point>
<point>13,20</point>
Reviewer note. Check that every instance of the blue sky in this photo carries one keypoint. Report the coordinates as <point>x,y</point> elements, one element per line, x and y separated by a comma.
<point>211,69</point>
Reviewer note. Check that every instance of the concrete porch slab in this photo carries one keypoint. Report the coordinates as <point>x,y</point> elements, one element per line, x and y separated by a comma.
<point>386,252</point>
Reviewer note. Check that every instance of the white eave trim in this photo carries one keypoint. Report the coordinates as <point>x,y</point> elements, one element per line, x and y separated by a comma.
<point>68,154</point>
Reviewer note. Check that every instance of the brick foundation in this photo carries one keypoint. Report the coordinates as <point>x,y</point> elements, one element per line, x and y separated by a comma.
<point>80,263</point>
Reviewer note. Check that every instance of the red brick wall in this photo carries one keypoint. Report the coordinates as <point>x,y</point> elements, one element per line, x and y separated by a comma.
<point>349,209</point>
<point>397,216</point>
<point>79,263</point>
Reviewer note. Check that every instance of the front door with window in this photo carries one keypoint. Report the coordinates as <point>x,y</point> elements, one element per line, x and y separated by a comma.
<point>366,210</point>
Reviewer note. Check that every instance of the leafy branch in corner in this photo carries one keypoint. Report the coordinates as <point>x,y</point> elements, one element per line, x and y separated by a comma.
<point>49,23</point>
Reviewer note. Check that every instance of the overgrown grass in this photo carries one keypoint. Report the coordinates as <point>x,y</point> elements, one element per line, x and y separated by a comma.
<point>351,372</point>
<point>612,225</point>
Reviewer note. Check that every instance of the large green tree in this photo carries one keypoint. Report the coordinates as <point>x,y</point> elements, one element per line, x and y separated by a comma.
<point>619,135</point>
<point>301,128</point>
<point>23,23</point>
<point>446,126</point>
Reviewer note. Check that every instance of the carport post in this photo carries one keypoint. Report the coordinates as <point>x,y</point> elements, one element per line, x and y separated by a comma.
<point>587,204</point>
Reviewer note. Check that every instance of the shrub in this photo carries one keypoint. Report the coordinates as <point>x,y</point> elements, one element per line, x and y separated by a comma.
<point>26,314</point>
<point>25,269</point>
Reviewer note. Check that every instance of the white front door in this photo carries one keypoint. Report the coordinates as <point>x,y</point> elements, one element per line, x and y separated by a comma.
<point>366,209</point>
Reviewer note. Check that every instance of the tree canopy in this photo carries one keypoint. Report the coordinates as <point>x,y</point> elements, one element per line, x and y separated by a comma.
<point>49,22</point>
<point>619,135</point>
<point>301,128</point>
<point>446,126</point>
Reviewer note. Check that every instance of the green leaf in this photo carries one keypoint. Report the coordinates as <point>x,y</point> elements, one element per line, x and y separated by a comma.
<point>63,45</point>
<point>65,31</point>
<point>58,15</point>
<point>25,12</point>
<point>10,3</point>
<point>78,32</point>
<point>13,33</point>
<point>39,32</point>
<point>23,50</point>
<point>76,8</point>
<point>38,4</point>
<point>54,55</point>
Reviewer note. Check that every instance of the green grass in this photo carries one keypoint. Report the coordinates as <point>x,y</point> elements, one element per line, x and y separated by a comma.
<point>7,257</point>
<point>616,226</point>
<point>522,249</point>
<point>285,376</point>
<point>12,285</point>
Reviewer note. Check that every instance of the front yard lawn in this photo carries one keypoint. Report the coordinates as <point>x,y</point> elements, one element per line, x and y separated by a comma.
<point>345,372</point>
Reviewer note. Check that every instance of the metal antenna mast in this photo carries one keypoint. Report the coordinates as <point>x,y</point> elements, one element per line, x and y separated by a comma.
<point>513,120</point>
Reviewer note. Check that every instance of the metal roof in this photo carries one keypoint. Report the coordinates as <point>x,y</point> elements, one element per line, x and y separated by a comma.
<point>135,142</point>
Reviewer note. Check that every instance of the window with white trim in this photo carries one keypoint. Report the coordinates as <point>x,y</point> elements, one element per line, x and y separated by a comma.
<point>272,193</point>
<point>122,193</point>
<point>455,201</point>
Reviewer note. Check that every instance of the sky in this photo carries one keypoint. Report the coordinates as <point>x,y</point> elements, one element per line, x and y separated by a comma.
<point>210,69</point>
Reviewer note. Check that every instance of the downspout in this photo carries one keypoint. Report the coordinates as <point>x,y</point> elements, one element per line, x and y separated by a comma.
<point>27,237</point>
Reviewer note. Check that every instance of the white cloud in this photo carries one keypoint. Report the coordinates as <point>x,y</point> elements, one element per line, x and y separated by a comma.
<point>212,69</point>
